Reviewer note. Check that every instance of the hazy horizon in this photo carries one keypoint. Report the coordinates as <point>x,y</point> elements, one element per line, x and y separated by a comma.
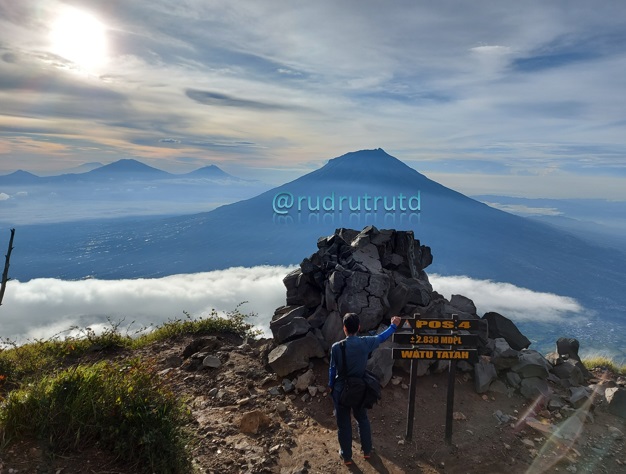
<point>481,97</point>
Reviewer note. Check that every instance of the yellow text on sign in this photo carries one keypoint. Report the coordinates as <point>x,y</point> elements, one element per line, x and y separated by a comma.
<point>434,354</point>
<point>441,324</point>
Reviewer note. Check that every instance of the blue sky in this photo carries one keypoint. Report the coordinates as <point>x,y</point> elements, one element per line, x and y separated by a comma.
<point>518,98</point>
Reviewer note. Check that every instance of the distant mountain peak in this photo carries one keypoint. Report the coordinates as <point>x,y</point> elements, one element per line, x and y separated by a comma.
<point>211,171</point>
<point>126,165</point>
<point>22,174</point>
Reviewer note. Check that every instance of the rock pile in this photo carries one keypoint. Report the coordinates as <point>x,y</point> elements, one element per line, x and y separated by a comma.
<point>373,273</point>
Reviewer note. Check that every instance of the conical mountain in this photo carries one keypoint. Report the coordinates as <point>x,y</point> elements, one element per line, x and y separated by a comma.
<point>211,172</point>
<point>127,167</point>
<point>19,177</point>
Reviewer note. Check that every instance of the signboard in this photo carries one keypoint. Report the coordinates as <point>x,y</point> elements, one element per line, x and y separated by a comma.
<point>436,339</point>
<point>450,324</point>
<point>433,354</point>
<point>443,332</point>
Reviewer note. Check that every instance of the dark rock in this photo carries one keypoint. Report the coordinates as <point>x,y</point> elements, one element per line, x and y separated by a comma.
<point>503,356</point>
<point>579,396</point>
<point>318,318</point>
<point>205,344</point>
<point>500,326</point>
<point>513,379</point>
<point>295,328</point>
<point>569,371</point>
<point>463,303</point>
<point>381,362</point>
<point>532,364</point>
<point>294,355</point>
<point>534,387</point>
<point>297,312</point>
<point>616,398</point>
<point>484,374</point>
<point>333,328</point>
<point>568,347</point>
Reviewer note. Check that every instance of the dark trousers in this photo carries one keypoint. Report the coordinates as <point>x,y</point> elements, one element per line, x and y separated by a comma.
<point>344,427</point>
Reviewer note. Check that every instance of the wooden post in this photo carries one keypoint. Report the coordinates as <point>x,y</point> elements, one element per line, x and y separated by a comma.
<point>5,273</point>
<point>411,410</point>
<point>450,397</point>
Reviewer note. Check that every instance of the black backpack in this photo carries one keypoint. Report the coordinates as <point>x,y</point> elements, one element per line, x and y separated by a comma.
<point>358,391</point>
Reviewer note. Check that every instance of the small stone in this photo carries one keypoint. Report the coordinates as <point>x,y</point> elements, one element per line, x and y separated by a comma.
<point>528,442</point>
<point>401,442</point>
<point>485,398</point>
<point>306,397</point>
<point>457,415</point>
<point>288,386</point>
<point>396,380</point>
<point>405,386</point>
<point>281,407</point>
<point>243,401</point>
<point>507,446</point>
<point>212,362</point>
<point>615,433</point>
<point>312,390</point>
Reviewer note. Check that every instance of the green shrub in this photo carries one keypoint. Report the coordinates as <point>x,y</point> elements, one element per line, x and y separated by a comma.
<point>234,322</point>
<point>122,408</point>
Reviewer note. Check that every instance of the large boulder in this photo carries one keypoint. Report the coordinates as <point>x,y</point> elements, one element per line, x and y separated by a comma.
<point>500,326</point>
<point>569,371</point>
<point>294,355</point>
<point>295,328</point>
<point>535,387</point>
<point>532,364</point>
<point>484,374</point>
<point>282,318</point>
<point>616,399</point>
<point>567,347</point>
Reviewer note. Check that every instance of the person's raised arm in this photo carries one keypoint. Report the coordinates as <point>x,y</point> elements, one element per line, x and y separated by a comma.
<point>395,322</point>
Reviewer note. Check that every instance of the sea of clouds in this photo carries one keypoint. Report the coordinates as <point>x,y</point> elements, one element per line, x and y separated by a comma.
<point>45,307</point>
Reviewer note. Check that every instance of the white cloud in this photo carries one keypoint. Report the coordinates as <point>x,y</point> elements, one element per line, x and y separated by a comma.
<point>4,196</point>
<point>514,302</point>
<point>521,209</point>
<point>41,308</point>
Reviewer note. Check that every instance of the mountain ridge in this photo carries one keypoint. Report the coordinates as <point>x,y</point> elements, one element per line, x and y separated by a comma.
<point>123,168</point>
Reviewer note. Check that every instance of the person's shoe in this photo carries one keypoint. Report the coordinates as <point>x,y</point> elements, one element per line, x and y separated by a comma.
<point>347,462</point>
<point>367,455</point>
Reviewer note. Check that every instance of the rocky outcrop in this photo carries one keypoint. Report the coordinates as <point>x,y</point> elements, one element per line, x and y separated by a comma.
<point>380,273</point>
<point>373,273</point>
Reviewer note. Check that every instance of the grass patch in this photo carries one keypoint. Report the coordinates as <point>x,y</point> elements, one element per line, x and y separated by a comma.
<point>605,362</point>
<point>122,408</point>
<point>234,322</point>
<point>56,390</point>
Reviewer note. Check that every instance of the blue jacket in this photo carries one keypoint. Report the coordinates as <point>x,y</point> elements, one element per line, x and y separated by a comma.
<point>358,349</point>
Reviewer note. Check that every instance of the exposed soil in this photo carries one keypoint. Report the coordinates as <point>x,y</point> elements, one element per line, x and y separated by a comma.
<point>297,432</point>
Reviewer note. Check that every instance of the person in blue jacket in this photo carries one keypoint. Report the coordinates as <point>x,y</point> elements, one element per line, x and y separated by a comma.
<point>358,349</point>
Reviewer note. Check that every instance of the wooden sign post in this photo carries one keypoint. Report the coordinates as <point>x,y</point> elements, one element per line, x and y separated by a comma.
<point>427,346</point>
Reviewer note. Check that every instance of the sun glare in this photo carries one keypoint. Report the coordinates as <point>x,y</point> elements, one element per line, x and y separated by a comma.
<point>79,37</point>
